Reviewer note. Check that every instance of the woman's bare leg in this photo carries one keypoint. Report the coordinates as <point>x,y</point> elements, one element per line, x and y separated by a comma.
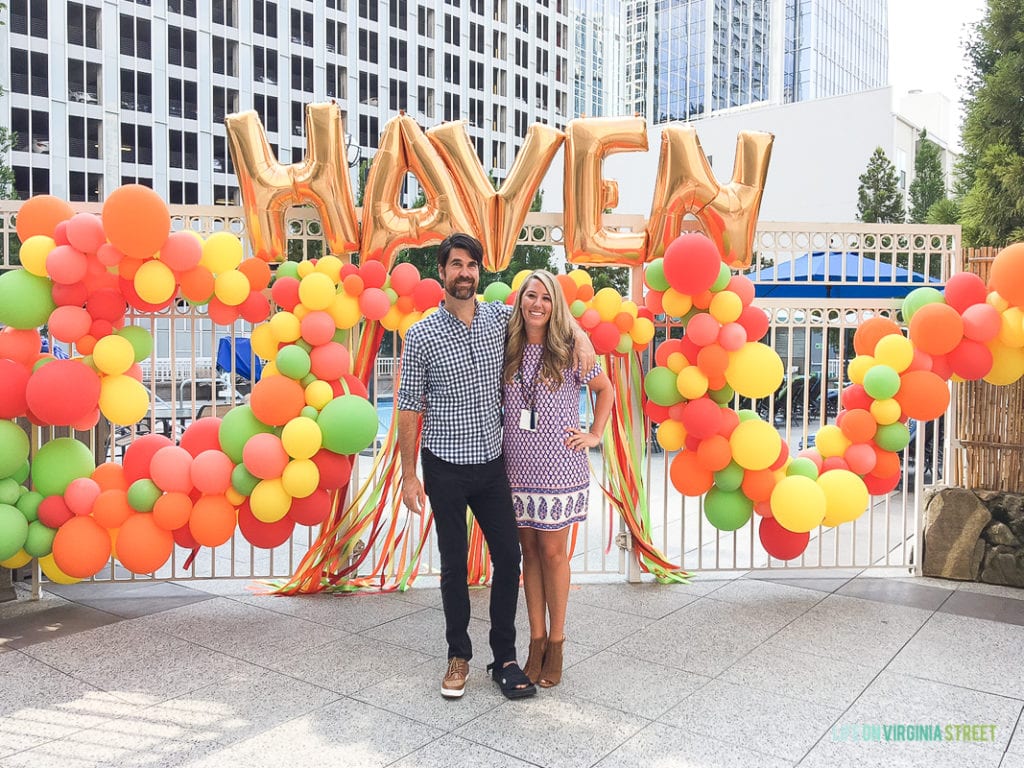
<point>533,582</point>
<point>555,566</point>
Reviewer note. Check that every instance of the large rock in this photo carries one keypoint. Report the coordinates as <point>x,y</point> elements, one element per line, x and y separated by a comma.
<point>1004,565</point>
<point>1000,534</point>
<point>952,536</point>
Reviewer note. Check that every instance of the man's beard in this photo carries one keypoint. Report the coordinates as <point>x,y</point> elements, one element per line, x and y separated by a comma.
<point>461,289</point>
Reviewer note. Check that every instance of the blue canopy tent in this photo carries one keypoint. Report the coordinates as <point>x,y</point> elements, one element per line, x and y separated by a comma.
<point>243,358</point>
<point>837,275</point>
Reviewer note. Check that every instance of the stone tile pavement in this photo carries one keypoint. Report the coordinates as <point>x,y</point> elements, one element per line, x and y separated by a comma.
<point>759,669</point>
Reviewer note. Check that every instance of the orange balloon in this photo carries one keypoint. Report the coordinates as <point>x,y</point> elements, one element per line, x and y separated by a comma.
<point>172,510</point>
<point>713,360</point>
<point>888,463</point>
<point>276,400</point>
<point>870,331</point>
<point>257,272</point>
<point>688,476</point>
<point>40,215</point>
<point>714,453</point>
<point>569,287</point>
<point>213,521</point>
<point>1007,276</point>
<point>142,546</point>
<point>936,328</point>
<point>758,484</point>
<point>110,476</point>
<point>111,508</point>
<point>81,547</point>
<point>136,220</point>
<point>858,425</point>
<point>923,395</point>
<point>197,284</point>
<point>20,345</point>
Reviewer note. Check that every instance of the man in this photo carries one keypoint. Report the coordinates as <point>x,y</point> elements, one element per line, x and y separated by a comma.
<point>451,374</point>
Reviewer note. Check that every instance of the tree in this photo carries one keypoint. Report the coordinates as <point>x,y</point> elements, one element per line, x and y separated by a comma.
<point>943,211</point>
<point>992,165</point>
<point>878,196</point>
<point>929,184</point>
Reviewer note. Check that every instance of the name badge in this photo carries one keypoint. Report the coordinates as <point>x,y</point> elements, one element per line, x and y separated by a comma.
<point>528,419</point>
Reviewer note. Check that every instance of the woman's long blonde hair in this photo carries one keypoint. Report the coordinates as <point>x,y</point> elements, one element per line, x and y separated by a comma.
<point>558,343</point>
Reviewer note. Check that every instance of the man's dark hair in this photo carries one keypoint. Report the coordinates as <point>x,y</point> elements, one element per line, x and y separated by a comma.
<point>461,240</point>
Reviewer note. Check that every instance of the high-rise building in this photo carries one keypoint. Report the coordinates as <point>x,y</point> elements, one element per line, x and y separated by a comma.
<point>691,58</point>
<point>598,88</point>
<point>102,94</point>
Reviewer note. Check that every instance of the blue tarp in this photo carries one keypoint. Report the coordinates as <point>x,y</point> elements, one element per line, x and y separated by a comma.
<point>243,356</point>
<point>838,275</point>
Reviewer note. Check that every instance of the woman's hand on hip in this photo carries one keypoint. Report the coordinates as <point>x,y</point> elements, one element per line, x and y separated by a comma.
<point>578,440</point>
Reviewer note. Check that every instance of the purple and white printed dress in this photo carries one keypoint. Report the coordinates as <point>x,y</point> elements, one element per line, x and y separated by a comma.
<point>549,482</point>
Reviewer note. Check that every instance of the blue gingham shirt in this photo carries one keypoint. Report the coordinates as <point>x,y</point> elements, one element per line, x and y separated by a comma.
<point>452,374</point>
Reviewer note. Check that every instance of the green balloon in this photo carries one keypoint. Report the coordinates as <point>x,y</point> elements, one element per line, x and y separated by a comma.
<point>13,531</point>
<point>58,463</point>
<point>341,336</point>
<point>349,424</point>
<point>804,467</point>
<point>140,339</point>
<point>29,505</point>
<point>730,478</point>
<point>39,541</point>
<point>243,481</point>
<point>881,382</point>
<point>287,269</point>
<point>654,275</point>
<point>391,294</point>
<point>660,386</point>
<point>13,448</point>
<point>577,308</point>
<point>10,490</point>
<point>310,412</point>
<point>727,510</point>
<point>724,276</point>
<point>21,475</point>
<point>722,396</point>
<point>236,427</point>
<point>497,292</point>
<point>293,362</point>
<point>917,298</point>
<point>892,437</point>
<point>25,299</point>
<point>746,414</point>
<point>301,344</point>
<point>142,495</point>
<point>308,379</point>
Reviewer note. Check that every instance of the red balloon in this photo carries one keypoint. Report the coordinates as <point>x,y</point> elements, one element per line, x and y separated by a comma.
<point>63,392</point>
<point>202,435</point>
<point>349,385</point>
<point>211,472</point>
<point>404,279</point>
<point>373,302</point>
<point>780,543</point>
<point>285,293</point>
<point>318,327</point>
<point>85,232</point>
<point>106,305</point>
<point>755,321</point>
<point>13,383</point>
<point>963,290</point>
<point>880,486</point>
<point>427,294</point>
<point>66,265</point>
<point>54,512</point>
<point>743,287</point>
<point>374,274</point>
<point>139,455</point>
<point>656,413</point>
<point>221,313</point>
<point>264,535</point>
<point>69,323</point>
<point>171,469</point>
<point>971,360</point>
<point>68,296</point>
<point>183,538</point>
<point>692,263</point>
<point>605,337</point>
<point>335,469</point>
<point>181,251</point>
<point>330,361</point>
<point>311,510</point>
<point>256,307</point>
<point>702,417</point>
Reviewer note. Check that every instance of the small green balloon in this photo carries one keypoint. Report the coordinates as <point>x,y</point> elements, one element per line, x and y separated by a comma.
<point>39,541</point>
<point>804,467</point>
<point>722,396</point>
<point>881,382</point>
<point>26,300</point>
<point>917,298</point>
<point>59,462</point>
<point>391,294</point>
<point>724,276</point>
<point>892,437</point>
<point>349,424</point>
<point>293,361</point>
<point>577,308</point>
<point>287,269</point>
<point>236,427</point>
<point>309,412</point>
<point>660,386</point>
<point>746,414</point>
<point>142,495</point>
<point>29,505</point>
<point>13,531</point>
<point>301,344</point>
<point>308,379</point>
<point>140,339</point>
<point>654,275</point>
<point>341,336</point>
<point>727,510</point>
<point>243,481</point>
<point>497,292</point>
<point>13,448</point>
<point>10,490</point>
<point>730,478</point>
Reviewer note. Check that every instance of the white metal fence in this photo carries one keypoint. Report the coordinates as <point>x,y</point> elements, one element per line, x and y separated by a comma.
<point>813,337</point>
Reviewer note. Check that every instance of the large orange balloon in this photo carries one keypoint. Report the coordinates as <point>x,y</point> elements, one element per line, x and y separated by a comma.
<point>1007,274</point>
<point>40,215</point>
<point>142,546</point>
<point>936,329</point>
<point>688,476</point>
<point>923,395</point>
<point>213,521</point>
<point>276,400</point>
<point>81,547</point>
<point>136,221</point>
<point>870,331</point>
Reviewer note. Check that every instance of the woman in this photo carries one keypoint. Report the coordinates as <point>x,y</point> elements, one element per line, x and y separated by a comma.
<point>546,457</point>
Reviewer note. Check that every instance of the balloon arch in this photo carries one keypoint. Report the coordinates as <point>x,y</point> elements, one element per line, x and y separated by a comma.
<point>284,458</point>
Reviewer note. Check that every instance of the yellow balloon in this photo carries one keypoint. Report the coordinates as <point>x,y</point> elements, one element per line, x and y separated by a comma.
<point>154,282</point>
<point>18,559</point>
<point>630,308</point>
<point>726,307</point>
<point>676,362</point>
<point>234,496</point>
<point>859,366</point>
<point>331,266</point>
<point>1011,332</point>
<point>306,267</point>
<point>830,441</point>
<point>896,351</point>
<point>691,382</point>
<point>798,503</point>
<point>222,251</point>
<point>392,319</point>
<point>319,394</point>
<point>408,322</point>
<point>123,400</point>
<point>301,437</point>
<point>54,573</point>
<point>269,501</point>
<point>264,342</point>
<point>113,355</point>
<point>231,287</point>
<point>33,254</point>
<point>270,369</point>
<point>607,302</point>
<point>520,276</point>
<point>755,444</point>
<point>300,478</point>
<point>846,496</point>
<point>1007,364</point>
<point>642,331</point>
<point>676,304</point>
<point>579,276</point>
<point>345,310</point>
<point>671,435</point>
<point>286,327</point>
<point>754,370</point>
<point>886,411</point>
<point>997,301</point>
<point>317,291</point>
